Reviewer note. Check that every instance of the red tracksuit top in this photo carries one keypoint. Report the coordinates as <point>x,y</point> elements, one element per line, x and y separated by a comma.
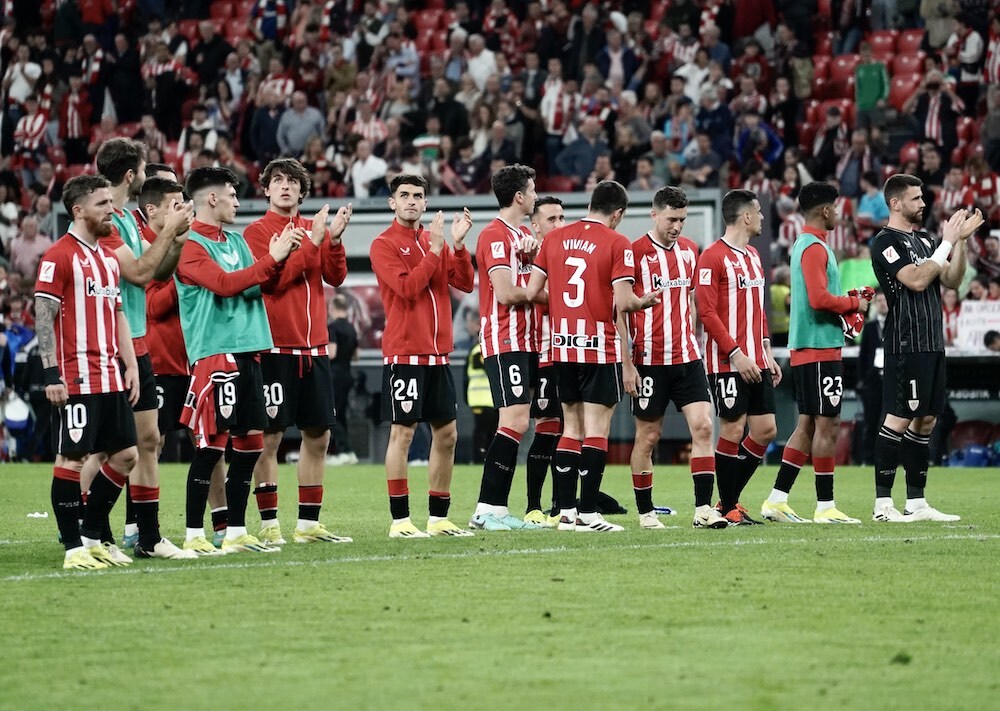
<point>414,282</point>
<point>294,298</point>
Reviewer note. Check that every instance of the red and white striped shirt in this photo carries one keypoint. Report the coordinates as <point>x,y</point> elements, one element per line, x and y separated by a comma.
<point>730,295</point>
<point>582,262</point>
<point>267,9</point>
<point>84,281</point>
<point>932,124</point>
<point>75,116</point>
<point>373,130</point>
<point>843,234</point>
<point>760,187</point>
<point>984,191</point>
<point>280,84</point>
<point>155,69</point>
<point>950,199</point>
<point>91,66</point>
<point>790,228</point>
<point>991,69</point>
<point>664,334</point>
<point>543,334</point>
<point>30,132</point>
<point>951,323</point>
<point>504,329</point>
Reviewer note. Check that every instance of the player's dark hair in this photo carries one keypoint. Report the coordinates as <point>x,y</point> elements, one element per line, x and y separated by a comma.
<point>155,189</point>
<point>291,169</point>
<point>670,196</point>
<point>607,197</point>
<point>407,179</point>
<point>77,189</point>
<point>735,203</point>
<point>209,177</point>
<point>153,168</point>
<point>509,181</point>
<point>547,200</point>
<point>990,337</point>
<point>117,156</point>
<point>897,184</point>
<point>817,194</point>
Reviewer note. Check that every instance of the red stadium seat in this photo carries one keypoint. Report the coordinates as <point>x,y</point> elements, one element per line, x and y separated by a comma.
<point>841,89</point>
<point>189,28</point>
<point>823,43</point>
<point>221,10</point>
<point>846,107</point>
<point>427,19</point>
<point>901,87</point>
<point>971,432</point>
<point>843,66</point>
<point>657,9</point>
<point>77,169</point>
<point>909,41</point>
<point>966,126</point>
<point>559,184</point>
<point>820,88</point>
<point>910,151</point>
<point>958,155</point>
<point>821,66</point>
<point>129,129</point>
<point>435,4</point>
<point>652,29</point>
<point>812,112</point>
<point>807,132</point>
<point>243,8</point>
<point>439,42</point>
<point>912,63</point>
<point>883,42</point>
<point>423,41</point>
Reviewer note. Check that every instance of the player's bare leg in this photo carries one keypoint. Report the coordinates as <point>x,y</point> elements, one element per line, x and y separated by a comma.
<point>265,478</point>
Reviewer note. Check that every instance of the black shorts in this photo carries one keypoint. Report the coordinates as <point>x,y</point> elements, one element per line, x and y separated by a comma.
<point>418,393</point>
<point>511,377</point>
<point>298,390</point>
<point>661,384</point>
<point>819,388</point>
<point>147,384</point>
<point>599,383</point>
<point>914,384</point>
<point>93,423</point>
<point>239,403</point>
<point>735,398</point>
<point>171,390</point>
<point>545,402</point>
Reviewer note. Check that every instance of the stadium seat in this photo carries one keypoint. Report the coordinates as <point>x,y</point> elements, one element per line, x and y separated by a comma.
<point>657,9</point>
<point>821,66</point>
<point>958,155</point>
<point>883,42</point>
<point>243,8</point>
<point>77,169</point>
<point>439,42</point>
<point>423,42</point>
<point>56,155</point>
<point>820,88</point>
<point>188,28</point>
<point>812,112</point>
<point>652,29</point>
<point>807,132</point>
<point>129,129</point>
<point>427,19</point>
<point>846,107</point>
<point>823,43</point>
<point>912,63</point>
<point>844,441</point>
<point>843,66</point>
<point>221,11</point>
<point>841,89</point>
<point>909,41</point>
<point>966,126</point>
<point>559,184</point>
<point>910,151</point>
<point>435,4</point>
<point>971,432</point>
<point>901,87</point>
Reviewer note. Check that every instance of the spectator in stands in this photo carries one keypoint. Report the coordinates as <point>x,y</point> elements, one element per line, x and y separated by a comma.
<point>757,141</point>
<point>104,131</point>
<point>679,129</point>
<point>992,341</point>
<point>935,107</point>
<point>659,155</point>
<point>830,144</point>
<point>938,21</point>
<point>149,134</point>
<point>390,148</point>
<point>30,139</point>
<point>123,69</point>
<point>715,119</point>
<point>994,290</point>
<point>264,127</point>
<point>586,39</point>
<point>871,88</point>
<point>645,178</point>
<point>27,248</point>
<point>340,72</point>
<point>984,186</point>
<point>617,62</point>
<point>855,163</point>
<point>466,167</point>
<point>479,131</point>
<point>753,65</point>
<point>209,55</point>
<point>702,163</point>
<point>298,124</point>
<point>966,47</point>
<point>873,213</point>
<point>986,260</point>
<point>781,305</point>
<point>695,74</point>
<point>20,79</point>
<point>978,289</point>
<point>366,169</point>
<point>201,124</point>
<point>718,51</point>
<point>51,185</point>
<point>453,115</point>
<point>578,158</point>
<point>602,171</point>
<point>44,215</point>
<point>932,170</point>
<point>789,228</point>
<point>951,307</point>
<point>481,62</point>
<point>499,146</point>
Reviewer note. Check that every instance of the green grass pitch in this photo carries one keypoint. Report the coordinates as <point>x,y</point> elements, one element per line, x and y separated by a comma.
<point>763,617</point>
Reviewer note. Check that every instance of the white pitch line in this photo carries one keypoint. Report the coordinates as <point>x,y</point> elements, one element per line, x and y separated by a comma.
<point>274,563</point>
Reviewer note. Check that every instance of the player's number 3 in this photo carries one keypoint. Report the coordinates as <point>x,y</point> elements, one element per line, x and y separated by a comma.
<point>576,281</point>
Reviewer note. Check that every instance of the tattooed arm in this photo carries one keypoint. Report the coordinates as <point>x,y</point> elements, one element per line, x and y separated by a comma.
<point>46,312</point>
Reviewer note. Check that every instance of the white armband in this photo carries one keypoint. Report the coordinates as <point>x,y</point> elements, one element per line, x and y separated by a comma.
<point>941,254</point>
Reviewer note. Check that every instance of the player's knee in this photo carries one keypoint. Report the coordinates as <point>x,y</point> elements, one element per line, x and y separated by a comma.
<point>517,421</point>
<point>701,431</point>
<point>149,441</point>
<point>401,435</point>
<point>124,460</point>
<point>316,440</point>
<point>446,436</point>
<point>764,432</point>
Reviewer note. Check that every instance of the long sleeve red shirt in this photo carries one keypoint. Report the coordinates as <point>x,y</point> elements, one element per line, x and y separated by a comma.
<point>293,297</point>
<point>414,282</point>
<point>814,263</point>
<point>197,267</point>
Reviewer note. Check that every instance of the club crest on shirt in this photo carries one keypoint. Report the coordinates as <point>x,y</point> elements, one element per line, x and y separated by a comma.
<point>835,400</point>
<point>405,251</point>
<point>231,259</point>
<point>890,254</point>
<point>517,390</point>
<point>406,405</point>
<point>226,411</point>
<point>643,403</point>
<point>914,404</point>
<point>75,434</point>
<point>729,401</point>
<point>272,411</point>
<point>543,402</point>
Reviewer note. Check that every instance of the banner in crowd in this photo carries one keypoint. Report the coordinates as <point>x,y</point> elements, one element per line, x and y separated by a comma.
<point>975,319</point>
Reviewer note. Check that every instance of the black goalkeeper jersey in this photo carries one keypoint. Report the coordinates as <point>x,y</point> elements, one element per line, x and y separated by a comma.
<point>915,323</point>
